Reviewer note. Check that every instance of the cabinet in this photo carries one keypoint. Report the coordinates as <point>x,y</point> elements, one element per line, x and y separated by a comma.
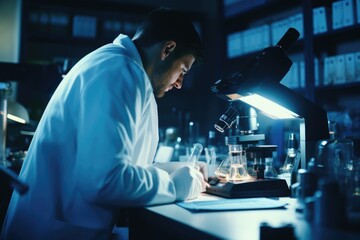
<point>62,32</point>
<point>339,88</point>
<point>321,70</point>
<point>59,33</point>
<point>326,56</point>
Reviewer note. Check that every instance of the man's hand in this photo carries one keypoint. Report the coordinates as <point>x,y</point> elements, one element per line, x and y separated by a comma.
<point>170,167</point>
<point>188,183</point>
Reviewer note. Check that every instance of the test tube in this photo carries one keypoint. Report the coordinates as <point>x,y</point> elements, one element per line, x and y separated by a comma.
<point>195,153</point>
<point>210,155</point>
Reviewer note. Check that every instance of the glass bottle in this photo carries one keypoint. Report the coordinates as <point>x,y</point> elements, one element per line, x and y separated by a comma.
<point>270,171</point>
<point>292,158</point>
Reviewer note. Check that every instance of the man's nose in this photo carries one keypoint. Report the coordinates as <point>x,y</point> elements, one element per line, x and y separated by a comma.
<point>178,82</point>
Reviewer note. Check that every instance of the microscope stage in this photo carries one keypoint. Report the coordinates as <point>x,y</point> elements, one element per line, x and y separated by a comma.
<point>267,187</point>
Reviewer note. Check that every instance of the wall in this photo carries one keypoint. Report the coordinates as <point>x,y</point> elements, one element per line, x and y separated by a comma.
<point>10,11</point>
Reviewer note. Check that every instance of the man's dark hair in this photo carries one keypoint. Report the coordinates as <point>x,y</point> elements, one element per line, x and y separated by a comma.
<point>166,24</point>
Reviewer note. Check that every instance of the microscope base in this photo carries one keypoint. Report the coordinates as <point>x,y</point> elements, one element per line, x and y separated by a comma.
<point>252,188</point>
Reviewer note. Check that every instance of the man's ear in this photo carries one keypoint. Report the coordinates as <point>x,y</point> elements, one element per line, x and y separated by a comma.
<point>167,48</point>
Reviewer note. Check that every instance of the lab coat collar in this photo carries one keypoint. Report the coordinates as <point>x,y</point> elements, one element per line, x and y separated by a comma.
<point>125,42</point>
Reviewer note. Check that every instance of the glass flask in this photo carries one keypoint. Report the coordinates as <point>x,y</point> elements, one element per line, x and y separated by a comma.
<point>270,171</point>
<point>234,167</point>
<point>292,157</point>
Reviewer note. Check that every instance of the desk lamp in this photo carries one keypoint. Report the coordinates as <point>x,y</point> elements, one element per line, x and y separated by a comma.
<point>258,84</point>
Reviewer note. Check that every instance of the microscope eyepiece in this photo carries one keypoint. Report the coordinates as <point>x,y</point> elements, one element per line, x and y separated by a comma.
<point>227,119</point>
<point>288,39</point>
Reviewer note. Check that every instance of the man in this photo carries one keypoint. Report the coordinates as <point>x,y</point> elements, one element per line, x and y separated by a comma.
<point>93,149</point>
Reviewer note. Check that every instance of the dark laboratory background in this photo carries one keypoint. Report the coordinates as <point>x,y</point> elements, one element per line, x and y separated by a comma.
<point>41,40</point>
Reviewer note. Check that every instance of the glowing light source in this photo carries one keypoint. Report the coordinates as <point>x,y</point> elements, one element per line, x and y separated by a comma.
<point>15,118</point>
<point>270,108</point>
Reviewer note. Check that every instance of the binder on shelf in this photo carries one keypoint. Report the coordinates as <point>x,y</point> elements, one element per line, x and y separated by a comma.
<point>286,79</point>
<point>315,21</point>
<point>329,70</point>
<point>279,28</point>
<point>131,26</point>
<point>265,36</point>
<point>59,24</point>
<point>294,75</point>
<point>247,41</point>
<point>84,26</point>
<point>43,22</point>
<point>254,39</point>
<point>233,7</point>
<point>348,13</point>
<point>110,28</point>
<point>296,21</point>
<point>358,10</point>
<point>326,78</point>
<point>357,66</point>
<point>340,69</point>
<point>38,23</point>
<point>319,20</point>
<point>302,79</point>
<point>275,32</point>
<point>337,14</point>
<point>316,71</point>
<point>350,67</point>
<point>284,26</point>
<point>234,45</point>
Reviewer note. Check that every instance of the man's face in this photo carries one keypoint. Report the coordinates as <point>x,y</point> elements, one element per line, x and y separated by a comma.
<point>169,73</point>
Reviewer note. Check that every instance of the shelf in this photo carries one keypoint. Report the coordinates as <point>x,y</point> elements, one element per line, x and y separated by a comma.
<point>75,24</point>
<point>72,41</point>
<point>321,46</point>
<point>332,38</point>
<point>339,89</point>
<point>256,9</point>
<point>89,5</point>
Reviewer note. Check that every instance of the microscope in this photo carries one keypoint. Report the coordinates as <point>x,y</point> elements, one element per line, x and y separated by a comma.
<point>240,123</point>
<point>241,174</point>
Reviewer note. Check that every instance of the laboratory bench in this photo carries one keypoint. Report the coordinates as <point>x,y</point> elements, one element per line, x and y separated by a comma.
<point>172,221</point>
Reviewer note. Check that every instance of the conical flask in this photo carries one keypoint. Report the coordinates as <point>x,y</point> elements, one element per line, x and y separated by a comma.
<point>234,167</point>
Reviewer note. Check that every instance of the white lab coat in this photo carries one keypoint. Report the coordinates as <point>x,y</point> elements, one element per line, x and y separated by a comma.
<point>92,152</point>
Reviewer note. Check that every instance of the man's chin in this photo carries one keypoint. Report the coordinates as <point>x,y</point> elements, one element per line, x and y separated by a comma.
<point>160,95</point>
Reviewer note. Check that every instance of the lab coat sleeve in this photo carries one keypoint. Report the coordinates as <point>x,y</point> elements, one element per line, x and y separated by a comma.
<point>163,187</point>
<point>110,118</point>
